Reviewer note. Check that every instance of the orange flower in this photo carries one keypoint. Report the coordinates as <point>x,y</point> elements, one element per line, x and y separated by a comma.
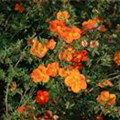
<point>63,15</point>
<point>67,54</point>
<point>38,49</point>
<point>40,74</point>
<point>105,83</point>
<point>58,26</point>
<point>72,33</point>
<point>44,75</point>
<point>21,109</point>
<point>107,98</point>
<point>117,58</point>
<point>76,81</point>
<point>64,72</point>
<point>52,69</point>
<point>35,75</point>
<point>90,24</point>
<point>19,8</point>
<point>50,44</point>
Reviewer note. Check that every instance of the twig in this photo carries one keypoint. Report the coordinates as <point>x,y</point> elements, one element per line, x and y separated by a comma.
<point>20,58</point>
<point>114,77</point>
<point>22,97</point>
<point>6,22</point>
<point>6,99</point>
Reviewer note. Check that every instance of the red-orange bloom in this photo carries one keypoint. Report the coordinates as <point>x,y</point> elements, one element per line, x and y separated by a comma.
<point>76,81</point>
<point>50,44</point>
<point>40,74</point>
<point>80,56</point>
<point>42,97</point>
<point>38,49</point>
<point>19,8</point>
<point>52,69</point>
<point>103,29</point>
<point>78,66</point>
<point>63,15</point>
<point>21,109</point>
<point>100,19</point>
<point>107,98</point>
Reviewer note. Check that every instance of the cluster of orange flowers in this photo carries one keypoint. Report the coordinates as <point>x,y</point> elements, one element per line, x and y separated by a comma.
<point>40,50</point>
<point>117,58</point>
<point>107,98</point>
<point>69,33</point>
<point>105,83</point>
<point>73,78</point>
<point>93,24</point>
<point>70,54</point>
<point>42,73</point>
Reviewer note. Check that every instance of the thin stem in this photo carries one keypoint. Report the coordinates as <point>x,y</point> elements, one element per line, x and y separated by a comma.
<point>114,77</point>
<point>6,22</point>
<point>22,97</point>
<point>20,58</point>
<point>6,99</point>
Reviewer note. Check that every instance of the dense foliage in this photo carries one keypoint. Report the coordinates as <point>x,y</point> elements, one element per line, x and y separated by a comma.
<point>60,60</point>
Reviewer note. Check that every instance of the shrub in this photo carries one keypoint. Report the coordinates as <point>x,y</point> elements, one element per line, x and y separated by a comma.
<point>60,60</point>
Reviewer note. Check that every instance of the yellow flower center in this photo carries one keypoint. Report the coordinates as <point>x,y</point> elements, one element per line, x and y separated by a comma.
<point>71,34</point>
<point>79,56</point>
<point>76,79</point>
<point>59,27</point>
<point>42,98</point>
